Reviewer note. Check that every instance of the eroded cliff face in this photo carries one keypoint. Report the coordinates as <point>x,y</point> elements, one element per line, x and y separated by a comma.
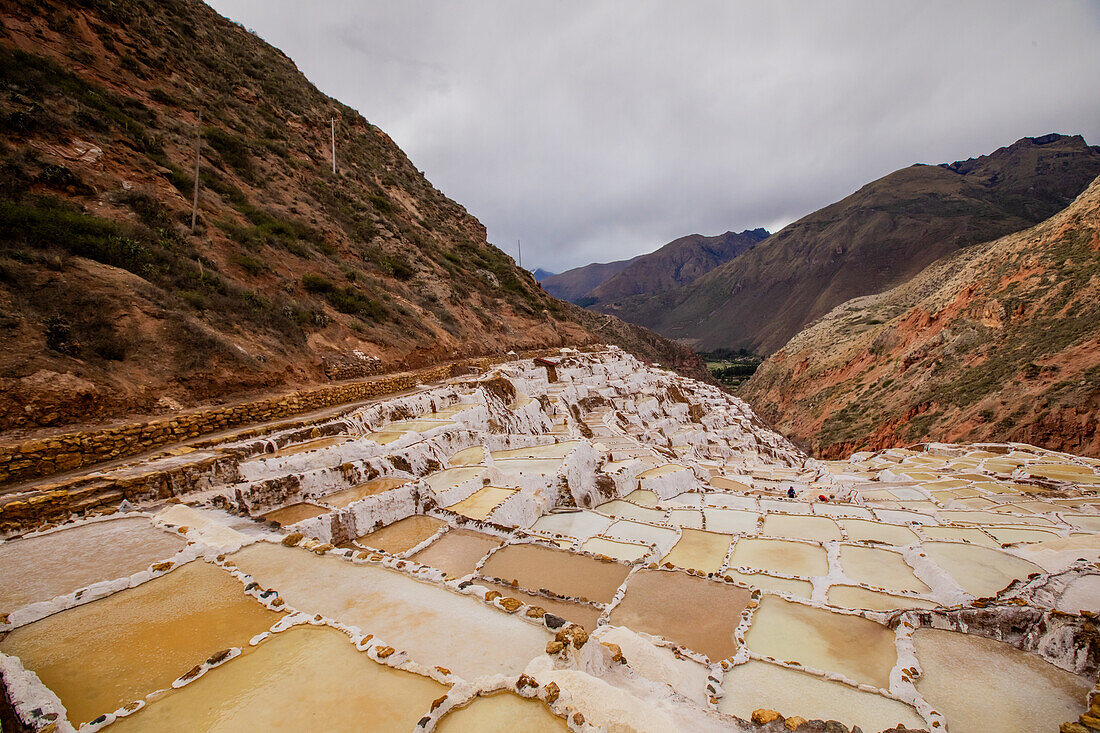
<point>113,304</point>
<point>999,342</point>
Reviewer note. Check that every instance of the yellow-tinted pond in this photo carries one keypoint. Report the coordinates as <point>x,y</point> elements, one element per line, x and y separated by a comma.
<point>699,550</point>
<point>468,456</point>
<point>790,558</point>
<point>345,497</point>
<point>890,534</point>
<point>402,535</point>
<point>303,679</point>
<point>880,568</point>
<point>799,588</point>
<point>294,513</point>
<point>457,552</point>
<point>481,503</point>
<point>502,713</point>
<point>618,550</point>
<point>850,596</point>
<point>695,612</point>
<point>790,692</point>
<point>985,685</point>
<point>41,568</point>
<point>853,646</point>
<point>104,654</point>
<point>801,526</point>
<point>565,573</point>
<point>578,613</point>
<point>979,570</point>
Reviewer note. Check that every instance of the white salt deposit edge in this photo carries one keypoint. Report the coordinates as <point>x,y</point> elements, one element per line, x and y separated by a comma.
<point>34,703</point>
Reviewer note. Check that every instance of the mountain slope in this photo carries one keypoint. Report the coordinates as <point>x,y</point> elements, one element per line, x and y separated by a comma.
<point>999,342</point>
<point>678,263</point>
<point>572,285</point>
<point>877,238</point>
<point>111,304</point>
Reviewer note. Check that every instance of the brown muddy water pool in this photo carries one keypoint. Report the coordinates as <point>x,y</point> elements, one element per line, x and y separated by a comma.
<point>559,571</point>
<point>457,552</point>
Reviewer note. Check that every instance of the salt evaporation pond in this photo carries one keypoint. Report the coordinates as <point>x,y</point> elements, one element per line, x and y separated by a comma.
<point>763,581</point>
<point>979,570</point>
<point>970,534</point>
<point>433,624</point>
<point>295,513</point>
<point>59,562</point>
<point>699,550</point>
<point>551,450</point>
<point>402,535</point>
<point>581,614</point>
<point>302,679</point>
<point>457,552</point>
<point>618,550</point>
<point>880,568</point>
<point>502,713</point>
<point>852,646</point>
<point>800,527</point>
<point>757,684</point>
<point>565,573</point>
<point>730,521</point>
<point>344,497</point>
<point>698,613</point>
<point>1083,594</point>
<point>850,596</point>
<point>981,685</point>
<point>781,556</point>
<point>868,531</point>
<point>468,456</point>
<point>102,655</point>
<point>581,524</point>
<point>481,503</point>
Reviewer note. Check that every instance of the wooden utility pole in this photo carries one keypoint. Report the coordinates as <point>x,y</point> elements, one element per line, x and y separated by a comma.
<point>195,202</point>
<point>334,146</point>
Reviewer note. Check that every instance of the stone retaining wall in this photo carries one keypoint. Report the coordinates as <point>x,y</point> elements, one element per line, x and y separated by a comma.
<point>69,451</point>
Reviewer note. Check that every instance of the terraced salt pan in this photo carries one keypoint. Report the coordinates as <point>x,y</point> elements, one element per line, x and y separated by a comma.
<point>781,556</point>
<point>890,534</point>
<point>699,550</point>
<point>107,653</point>
<point>402,535</point>
<point>344,497</point>
<point>308,446</point>
<point>627,510</point>
<point>880,568</point>
<point>970,534</point>
<point>553,450</point>
<point>758,684</point>
<point>468,456</point>
<point>625,529</point>
<point>565,573</point>
<point>482,502</point>
<point>730,521</point>
<point>618,550</point>
<point>57,563</point>
<point>434,625</point>
<point>689,518</point>
<point>777,506</point>
<point>852,646</point>
<point>294,513</point>
<point>642,497</point>
<point>1084,522</point>
<point>581,524</point>
<point>1007,535</point>
<point>980,571</point>
<point>417,426</point>
<point>897,516</point>
<point>1083,594</point>
<point>990,518</point>
<point>500,713</point>
<point>727,484</point>
<point>982,685</point>
<point>579,613</point>
<point>457,552</point>
<point>1064,472</point>
<point>305,678</point>
<point>842,510</point>
<point>449,478</point>
<point>800,527</point>
<point>850,596</point>
<point>763,581</point>
<point>722,500</point>
<point>695,612</point>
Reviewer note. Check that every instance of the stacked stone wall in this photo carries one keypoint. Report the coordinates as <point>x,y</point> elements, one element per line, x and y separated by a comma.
<point>55,454</point>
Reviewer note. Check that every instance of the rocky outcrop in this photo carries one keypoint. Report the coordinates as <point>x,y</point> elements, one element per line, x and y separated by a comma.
<point>997,343</point>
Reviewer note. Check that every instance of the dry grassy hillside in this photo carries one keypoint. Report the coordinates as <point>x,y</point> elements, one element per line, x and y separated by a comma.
<point>111,304</point>
<point>998,342</point>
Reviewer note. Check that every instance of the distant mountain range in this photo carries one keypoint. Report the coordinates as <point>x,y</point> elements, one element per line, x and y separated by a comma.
<point>541,274</point>
<point>872,240</point>
<point>1000,342</point>
<point>680,262</point>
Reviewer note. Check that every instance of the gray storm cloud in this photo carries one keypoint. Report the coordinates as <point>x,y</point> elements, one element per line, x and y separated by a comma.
<point>595,131</point>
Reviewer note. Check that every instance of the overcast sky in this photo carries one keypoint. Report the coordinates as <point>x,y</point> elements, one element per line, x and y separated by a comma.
<point>596,131</point>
